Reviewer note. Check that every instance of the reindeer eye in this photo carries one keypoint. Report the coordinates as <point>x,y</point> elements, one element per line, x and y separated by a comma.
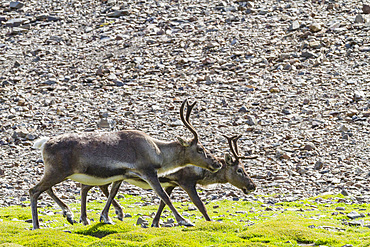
<point>200,150</point>
<point>239,171</point>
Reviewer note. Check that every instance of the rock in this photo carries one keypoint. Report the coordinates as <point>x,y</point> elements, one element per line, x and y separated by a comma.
<point>168,225</point>
<point>141,221</point>
<point>48,18</point>
<point>359,223</point>
<point>16,22</point>
<point>331,6</point>
<point>358,95</point>
<point>360,19</point>
<point>366,9</point>
<point>353,215</point>
<point>307,54</point>
<point>170,221</point>
<point>315,44</point>
<point>251,120</point>
<point>315,27</point>
<point>318,165</point>
<point>364,48</point>
<point>352,112</point>
<point>49,82</point>
<point>105,123</point>
<point>366,114</point>
<point>16,5</point>
<point>243,109</point>
<point>118,13</point>
<point>294,25</point>
<point>343,128</point>
<point>309,146</point>
<point>102,70</point>
<point>340,208</point>
<point>274,90</point>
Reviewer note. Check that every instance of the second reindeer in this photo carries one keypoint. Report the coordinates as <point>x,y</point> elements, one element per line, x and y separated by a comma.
<point>232,171</point>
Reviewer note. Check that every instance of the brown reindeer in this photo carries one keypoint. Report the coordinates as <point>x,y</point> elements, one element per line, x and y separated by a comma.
<point>102,158</point>
<point>187,178</point>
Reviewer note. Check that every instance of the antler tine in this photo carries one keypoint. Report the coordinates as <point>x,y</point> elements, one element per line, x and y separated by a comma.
<point>186,123</point>
<point>236,144</point>
<point>229,140</point>
<point>189,109</point>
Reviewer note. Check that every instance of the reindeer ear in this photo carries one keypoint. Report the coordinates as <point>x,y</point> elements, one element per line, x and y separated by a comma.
<point>228,160</point>
<point>183,142</point>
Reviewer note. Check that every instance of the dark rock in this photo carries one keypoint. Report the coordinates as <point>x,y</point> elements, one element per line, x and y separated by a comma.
<point>366,9</point>
<point>16,5</point>
<point>16,22</point>
<point>353,215</point>
<point>318,165</point>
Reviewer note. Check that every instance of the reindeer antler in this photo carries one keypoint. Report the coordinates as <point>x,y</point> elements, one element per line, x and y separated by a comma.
<point>235,140</point>
<point>234,147</point>
<point>186,120</point>
<point>230,141</point>
<point>189,109</point>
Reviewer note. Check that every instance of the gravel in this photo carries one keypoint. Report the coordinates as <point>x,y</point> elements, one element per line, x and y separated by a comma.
<point>291,76</point>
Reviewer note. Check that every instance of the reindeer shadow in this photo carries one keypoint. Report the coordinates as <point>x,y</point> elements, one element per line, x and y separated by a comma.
<point>100,230</point>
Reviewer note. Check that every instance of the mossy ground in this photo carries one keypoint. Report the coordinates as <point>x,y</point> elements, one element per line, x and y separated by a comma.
<point>308,222</point>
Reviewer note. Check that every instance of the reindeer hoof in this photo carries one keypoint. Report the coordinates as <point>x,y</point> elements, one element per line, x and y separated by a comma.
<point>155,224</point>
<point>106,220</point>
<point>85,222</point>
<point>119,214</point>
<point>185,223</point>
<point>69,216</point>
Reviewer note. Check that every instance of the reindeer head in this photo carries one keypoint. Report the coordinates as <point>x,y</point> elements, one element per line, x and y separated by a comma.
<point>194,152</point>
<point>235,173</point>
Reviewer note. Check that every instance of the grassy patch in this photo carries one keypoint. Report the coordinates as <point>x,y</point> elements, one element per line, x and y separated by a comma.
<point>315,221</point>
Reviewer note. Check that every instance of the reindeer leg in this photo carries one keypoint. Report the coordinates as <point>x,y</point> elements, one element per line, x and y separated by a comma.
<point>118,208</point>
<point>48,181</point>
<point>104,214</point>
<point>152,179</point>
<point>193,194</point>
<point>157,216</point>
<point>67,213</point>
<point>83,218</point>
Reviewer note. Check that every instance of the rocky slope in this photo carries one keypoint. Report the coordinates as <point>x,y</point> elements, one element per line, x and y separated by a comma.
<point>291,76</point>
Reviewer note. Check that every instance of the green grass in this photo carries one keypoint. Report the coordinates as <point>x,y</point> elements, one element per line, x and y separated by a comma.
<point>305,222</point>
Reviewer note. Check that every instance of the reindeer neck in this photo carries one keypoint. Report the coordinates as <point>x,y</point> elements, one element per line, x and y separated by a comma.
<point>171,154</point>
<point>218,177</point>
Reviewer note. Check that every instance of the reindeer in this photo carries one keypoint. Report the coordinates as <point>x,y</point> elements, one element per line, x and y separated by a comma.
<point>99,158</point>
<point>187,178</point>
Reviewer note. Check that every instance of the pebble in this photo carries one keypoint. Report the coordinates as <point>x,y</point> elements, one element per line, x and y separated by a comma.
<point>360,19</point>
<point>353,215</point>
<point>294,25</point>
<point>359,223</point>
<point>358,95</point>
<point>16,22</point>
<point>309,146</point>
<point>366,9</point>
<point>319,165</point>
<point>16,5</point>
<point>142,222</point>
<point>315,27</point>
